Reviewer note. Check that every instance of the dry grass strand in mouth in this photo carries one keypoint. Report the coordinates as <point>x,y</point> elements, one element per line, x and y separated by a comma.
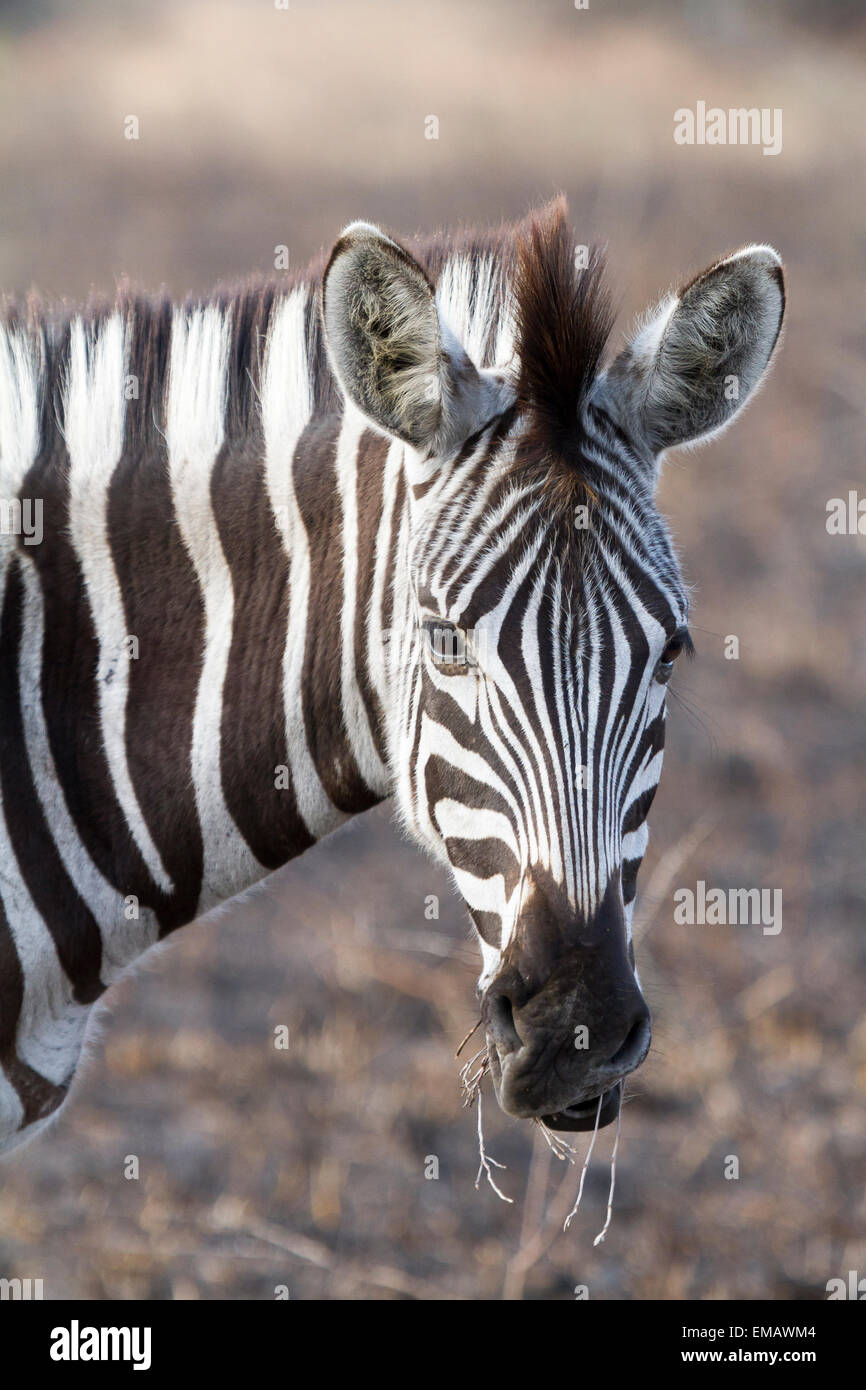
<point>584,1169</point>
<point>599,1240</point>
<point>558,1147</point>
<point>473,1029</point>
<point>470,1085</point>
<point>487,1163</point>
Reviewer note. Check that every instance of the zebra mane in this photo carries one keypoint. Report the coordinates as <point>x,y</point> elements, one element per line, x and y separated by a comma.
<point>514,296</point>
<point>564,320</point>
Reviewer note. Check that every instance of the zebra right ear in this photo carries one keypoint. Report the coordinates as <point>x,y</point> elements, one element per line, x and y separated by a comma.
<point>704,352</point>
<point>392,355</point>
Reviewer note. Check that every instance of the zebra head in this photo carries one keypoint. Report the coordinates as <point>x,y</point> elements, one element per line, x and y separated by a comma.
<point>538,609</point>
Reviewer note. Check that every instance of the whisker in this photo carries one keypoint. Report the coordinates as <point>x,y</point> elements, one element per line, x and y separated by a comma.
<point>693,713</point>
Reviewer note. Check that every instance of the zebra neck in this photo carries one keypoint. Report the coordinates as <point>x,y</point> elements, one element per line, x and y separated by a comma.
<point>193,676</point>
<point>293,687</point>
<point>194,680</point>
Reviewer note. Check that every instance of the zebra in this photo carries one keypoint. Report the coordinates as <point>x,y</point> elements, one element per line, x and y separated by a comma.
<point>383,528</point>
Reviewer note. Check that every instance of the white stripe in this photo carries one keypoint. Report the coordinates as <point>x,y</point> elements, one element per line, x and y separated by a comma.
<point>287,405</point>
<point>488,895</point>
<point>647,777</point>
<point>11,1113</point>
<point>469,316</point>
<point>437,741</point>
<point>505,352</point>
<point>459,822</point>
<point>566,714</point>
<point>194,435</point>
<point>588,695</point>
<point>635,842</point>
<point>20,372</point>
<point>379,650</point>
<point>93,426</point>
<point>357,724</point>
<point>531,638</point>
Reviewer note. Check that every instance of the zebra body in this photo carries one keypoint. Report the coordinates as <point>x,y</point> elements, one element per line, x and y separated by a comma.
<point>220,646</point>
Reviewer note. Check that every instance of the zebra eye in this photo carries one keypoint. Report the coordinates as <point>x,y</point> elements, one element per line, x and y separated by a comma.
<point>676,645</point>
<point>446,645</point>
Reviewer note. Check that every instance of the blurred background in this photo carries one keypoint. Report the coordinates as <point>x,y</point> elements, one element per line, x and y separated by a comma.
<point>261,127</point>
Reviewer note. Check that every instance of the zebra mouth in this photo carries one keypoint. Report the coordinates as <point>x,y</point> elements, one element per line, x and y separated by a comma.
<point>582,1115</point>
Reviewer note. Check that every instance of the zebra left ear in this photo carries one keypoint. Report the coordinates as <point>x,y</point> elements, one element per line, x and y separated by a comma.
<point>703,353</point>
<point>392,355</point>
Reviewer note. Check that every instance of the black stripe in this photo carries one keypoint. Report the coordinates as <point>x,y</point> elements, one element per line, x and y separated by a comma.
<point>69,921</point>
<point>253,728</point>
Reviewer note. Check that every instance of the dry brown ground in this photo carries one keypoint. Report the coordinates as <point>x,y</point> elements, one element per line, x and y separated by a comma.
<point>306,1167</point>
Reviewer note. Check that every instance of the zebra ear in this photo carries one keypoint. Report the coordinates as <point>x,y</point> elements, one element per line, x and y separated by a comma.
<point>703,353</point>
<point>389,350</point>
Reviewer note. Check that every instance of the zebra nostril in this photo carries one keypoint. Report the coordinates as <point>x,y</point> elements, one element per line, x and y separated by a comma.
<point>499,1017</point>
<point>634,1047</point>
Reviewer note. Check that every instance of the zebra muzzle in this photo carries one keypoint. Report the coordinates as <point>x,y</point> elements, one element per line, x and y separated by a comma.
<point>565,1019</point>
